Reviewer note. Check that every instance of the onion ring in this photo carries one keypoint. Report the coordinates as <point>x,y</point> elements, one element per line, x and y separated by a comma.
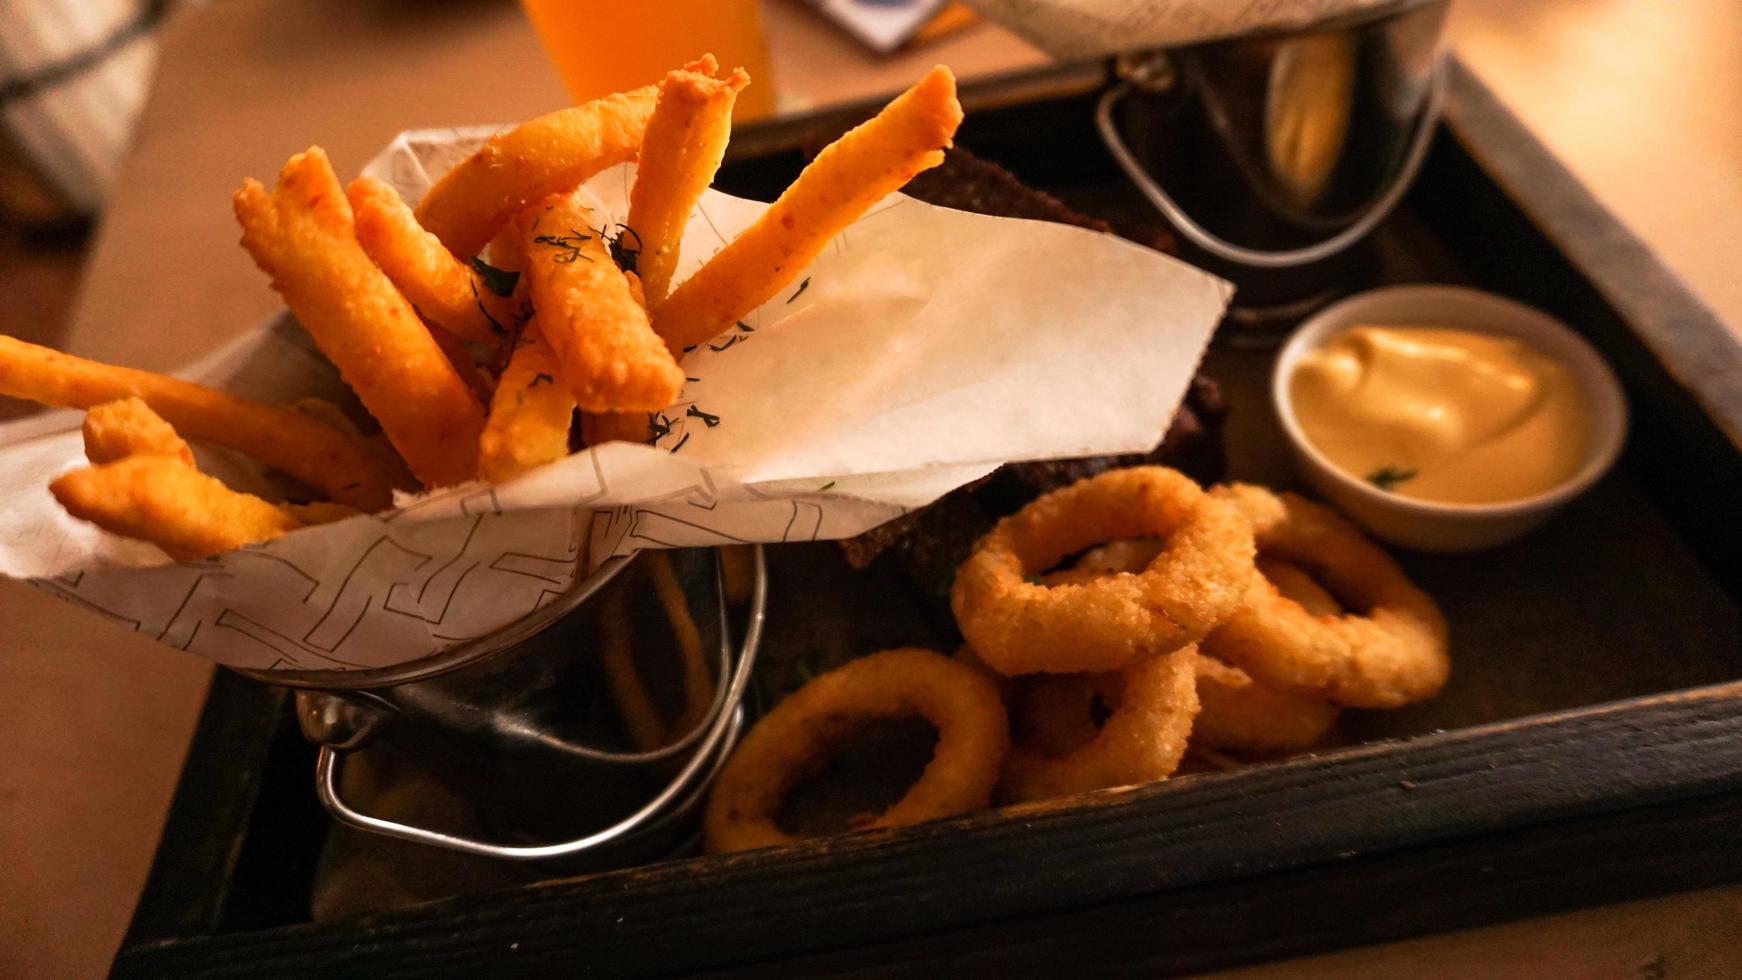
<point>796,738</point>
<point>1142,740</point>
<point>1392,654</point>
<point>1236,713</point>
<point>1123,555</point>
<point>1055,714</point>
<point>1197,580</point>
<point>1296,583</point>
<point>1007,686</point>
<point>1241,714</point>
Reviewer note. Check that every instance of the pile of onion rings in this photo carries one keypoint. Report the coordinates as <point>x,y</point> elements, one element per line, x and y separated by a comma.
<point>1113,627</point>
<point>1236,712</point>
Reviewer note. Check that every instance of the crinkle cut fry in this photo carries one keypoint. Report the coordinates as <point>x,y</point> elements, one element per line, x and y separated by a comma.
<point>609,354</point>
<point>549,155</point>
<point>530,413</point>
<point>285,440</point>
<point>128,427</point>
<point>685,142</point>
<point>443,289</point>
<point>850,175</point>
<point>302,235</point>
<point>170,504</point>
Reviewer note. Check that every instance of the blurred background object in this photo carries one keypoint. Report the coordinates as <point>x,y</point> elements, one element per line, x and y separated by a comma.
<point>1272,155</point>
<point>882,25</point>
<point>1643,101</point>
<point>73,74</point>
<point>600,48</point>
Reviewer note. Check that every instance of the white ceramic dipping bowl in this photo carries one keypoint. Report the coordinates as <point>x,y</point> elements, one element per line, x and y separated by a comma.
<point>1426,525</point>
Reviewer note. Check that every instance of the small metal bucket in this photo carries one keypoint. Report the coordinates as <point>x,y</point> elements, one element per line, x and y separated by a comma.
<point>1280,151</point>
<point>518,723</point>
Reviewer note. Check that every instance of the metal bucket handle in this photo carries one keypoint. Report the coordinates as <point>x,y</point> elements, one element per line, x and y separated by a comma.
<point>1202,237</point>
<point>721,725</point>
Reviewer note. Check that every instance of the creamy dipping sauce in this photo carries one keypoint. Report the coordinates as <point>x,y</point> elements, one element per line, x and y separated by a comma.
<point>1445,415</point>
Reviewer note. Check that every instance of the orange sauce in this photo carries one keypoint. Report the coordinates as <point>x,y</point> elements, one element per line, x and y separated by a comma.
<point>1445,415</point>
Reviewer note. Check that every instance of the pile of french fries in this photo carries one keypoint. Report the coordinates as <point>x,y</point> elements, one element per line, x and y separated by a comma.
<point>483,331</point>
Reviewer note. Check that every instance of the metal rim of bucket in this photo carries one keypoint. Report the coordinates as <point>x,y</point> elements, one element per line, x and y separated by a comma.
<point>718,734</point>
<point>723,735</point>
<point>1197,234</point>
<point>1353,18</point>
<point>455,657</point>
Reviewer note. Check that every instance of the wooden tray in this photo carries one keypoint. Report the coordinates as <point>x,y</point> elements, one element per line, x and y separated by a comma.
<point>1588,749</point>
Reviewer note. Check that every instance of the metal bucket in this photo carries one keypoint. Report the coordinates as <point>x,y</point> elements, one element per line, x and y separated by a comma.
<point>519,724</point>
<point>1275,153</point>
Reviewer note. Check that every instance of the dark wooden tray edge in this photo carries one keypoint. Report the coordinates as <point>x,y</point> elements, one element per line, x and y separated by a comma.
<point>1355,901</point>
<point>205,829</point>
<point>1039,861</point>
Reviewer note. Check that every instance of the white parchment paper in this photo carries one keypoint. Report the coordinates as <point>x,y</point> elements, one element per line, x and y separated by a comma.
<point>922,349</point>
<point>1073,29</point>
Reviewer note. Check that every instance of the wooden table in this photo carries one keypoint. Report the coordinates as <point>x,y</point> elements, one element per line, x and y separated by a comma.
<point>1643,100</point>
<point>98,719</point>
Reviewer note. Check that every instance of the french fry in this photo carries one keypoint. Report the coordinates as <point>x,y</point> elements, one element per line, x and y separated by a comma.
<point>164,501</point>
<point>461,361</point>
<point>447,293</point>
<point>636,293</point>
<point>505,252</point>
<point>331,416</point>
<point>698,680</point>
<point>283,439</point>
<point>548,155</point>
<point>376,446</point>
<point>602,427</point>
<point>318,512</point>
<point>530,413</point>
<point>303,236</point>
<point>737,571</point>
<point>610,357</point>
<point>118,429</point>
<point>685,141</point>
<point>508,253</point>
<point>847,177</point>
<point>634,705</point>
<point>598,428</point>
